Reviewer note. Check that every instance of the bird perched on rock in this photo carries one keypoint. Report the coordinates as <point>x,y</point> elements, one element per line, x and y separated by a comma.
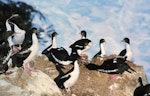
<point>27,54</point>
<point>57,55</point>
<point>83,34</point>
<point>80,47</point>
<point>101,52</point>
<point>112,66</point>
<point>68,79</point>
<point>142,90</point>
<point>127,52</point>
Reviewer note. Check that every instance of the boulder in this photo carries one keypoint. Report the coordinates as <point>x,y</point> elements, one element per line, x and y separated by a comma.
<point>21,83</point>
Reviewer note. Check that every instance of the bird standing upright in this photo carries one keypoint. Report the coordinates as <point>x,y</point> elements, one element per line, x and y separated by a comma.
<point>101,52</point>
<point>28,54</point>
<point>68,79</point>
<point>57,55</point>
<point>83,34</point>
<point>127,52</point>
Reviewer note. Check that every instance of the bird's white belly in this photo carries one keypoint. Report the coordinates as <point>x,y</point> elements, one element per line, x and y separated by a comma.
<point>18,38</point>
<point>72,80</point>
<point>129,55</point>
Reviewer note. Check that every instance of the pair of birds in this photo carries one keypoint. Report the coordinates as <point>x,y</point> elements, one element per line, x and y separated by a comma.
<point>16,54</point>
<point>60,56</point>
<point>125,53</point>
<point>115,65</point>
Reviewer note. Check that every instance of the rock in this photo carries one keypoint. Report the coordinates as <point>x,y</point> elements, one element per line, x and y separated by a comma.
<point>90,83</point>
<point>39,83</point>
<point>21,83</point>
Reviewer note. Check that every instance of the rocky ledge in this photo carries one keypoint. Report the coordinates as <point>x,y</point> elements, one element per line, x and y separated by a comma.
<point>90,83</point>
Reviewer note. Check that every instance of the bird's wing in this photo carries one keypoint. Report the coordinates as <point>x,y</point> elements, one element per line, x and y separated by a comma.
<point>63,54</point>
<point>47,49</point>
<point>97,54</point>
<point>122,53</point>
<point>66,77</point>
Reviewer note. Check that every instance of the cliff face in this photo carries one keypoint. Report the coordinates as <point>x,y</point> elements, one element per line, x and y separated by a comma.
<point>90,83</point>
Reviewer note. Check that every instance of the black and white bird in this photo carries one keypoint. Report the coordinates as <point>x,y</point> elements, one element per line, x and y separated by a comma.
<point>142,90</point>
<point>14,36</point>
<point>55,54</point>
<point>112,66</point>
<point>101,52</point>
<point>68,79</point>
<point>83,34</point>
<point>53,43</point>
<point>127,52</point>
<point>18,36</point>
<point>25,55</point>
<point>80,47</point>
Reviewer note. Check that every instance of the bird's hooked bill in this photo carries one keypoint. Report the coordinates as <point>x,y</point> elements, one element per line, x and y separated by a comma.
<point>15,15</point>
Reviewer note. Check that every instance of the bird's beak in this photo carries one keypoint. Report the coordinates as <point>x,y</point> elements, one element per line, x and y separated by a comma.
<point>122,40</point>
<point>14,15</point>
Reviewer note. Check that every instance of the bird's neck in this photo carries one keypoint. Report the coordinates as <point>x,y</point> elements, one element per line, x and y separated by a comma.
<point>85,49</point>
<point>17,29</point>
<point>76,66</point>
<point>54,45</point>
<point>102,48</point>
<point>8,27</point>
<point>83,37</point>
<point>128,48</point>
<point>34,39</point>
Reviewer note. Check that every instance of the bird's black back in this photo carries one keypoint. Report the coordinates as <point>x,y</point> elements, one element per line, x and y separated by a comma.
<point>122,53</point>
<point>17,59</point>
<point>97,54</point>
<point>111,66</point>
<point>60,53</point>
<point>62,77</point>
<point>80,44</point>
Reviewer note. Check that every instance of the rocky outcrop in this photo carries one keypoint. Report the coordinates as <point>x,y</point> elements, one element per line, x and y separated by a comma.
<point>21,83</point>
<point>90,83</point>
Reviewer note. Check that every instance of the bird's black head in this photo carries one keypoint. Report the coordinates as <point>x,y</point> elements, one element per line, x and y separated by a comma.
<point>54,34</point>
<point>83,33</point>
<point>101,41</point>
<point>126,40</point>
<point>34,30</point>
